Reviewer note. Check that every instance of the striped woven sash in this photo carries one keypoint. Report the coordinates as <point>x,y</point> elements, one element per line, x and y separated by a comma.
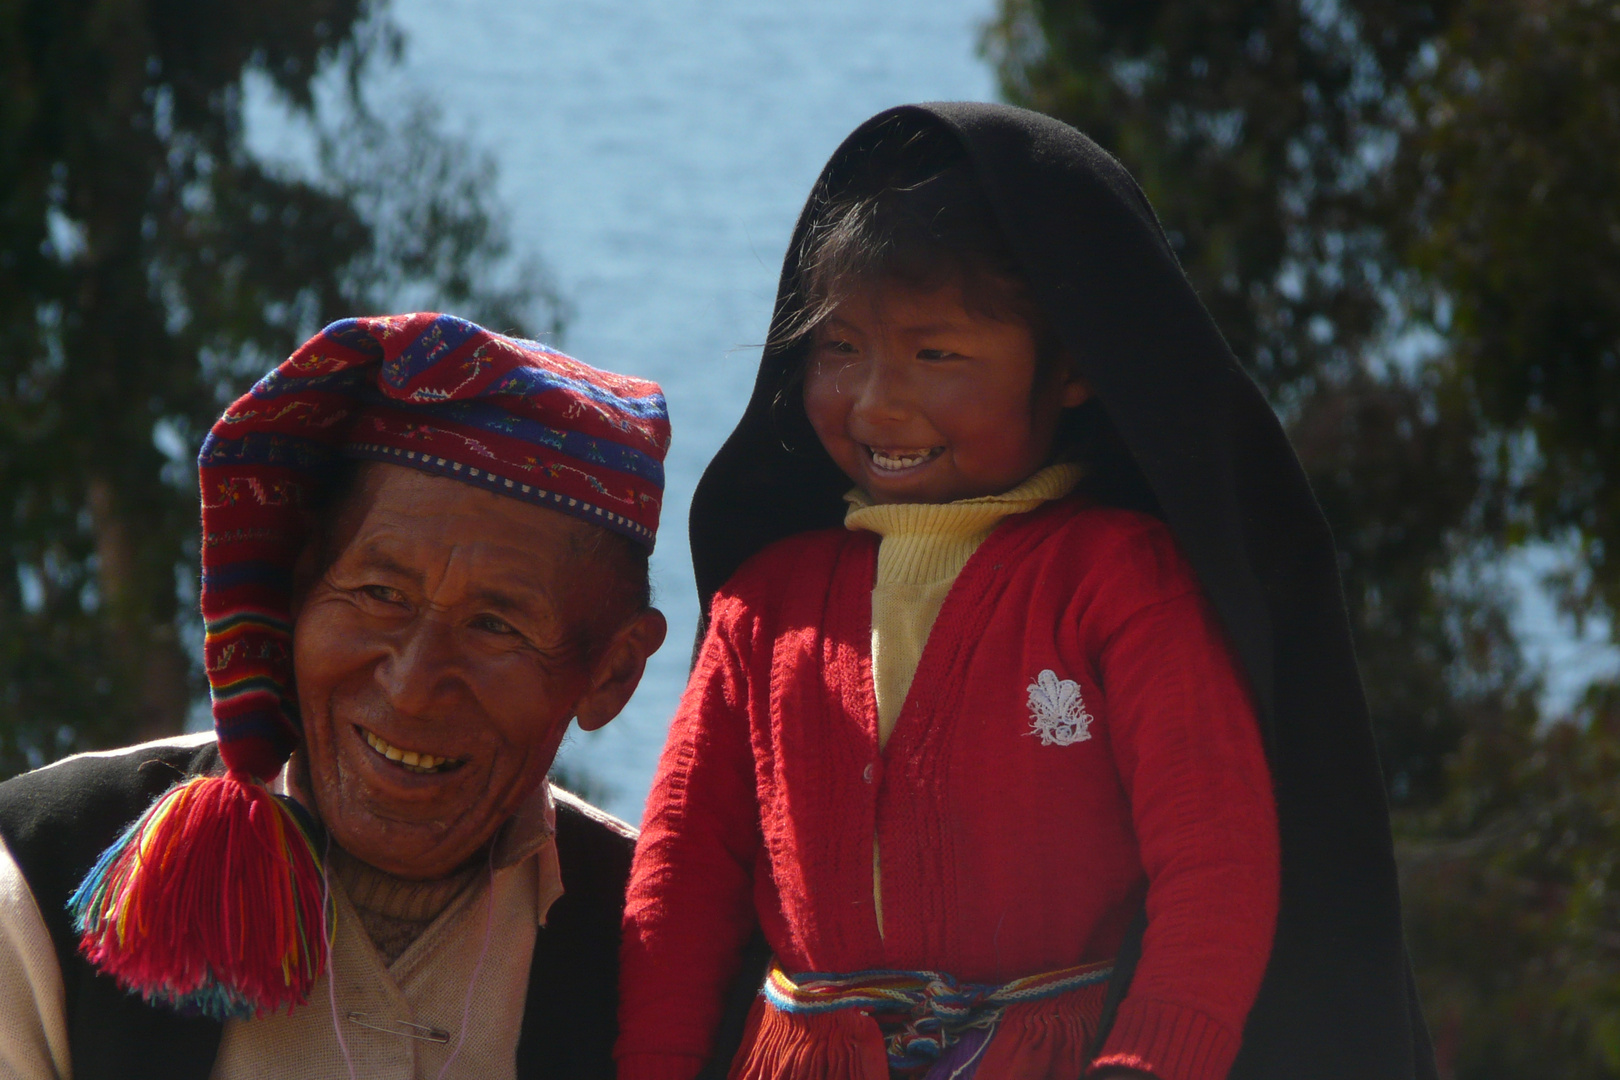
<point>924,1014</point>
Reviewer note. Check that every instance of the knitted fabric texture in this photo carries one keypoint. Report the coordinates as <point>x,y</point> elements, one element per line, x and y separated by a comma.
<point>164,910</point>
<point>1004,855</point>
<point>393,911</point>
<point>429,392</point>
<point>925,546</point>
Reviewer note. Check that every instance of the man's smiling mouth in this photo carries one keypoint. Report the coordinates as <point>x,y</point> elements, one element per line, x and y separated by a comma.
<point>411,760</point>
<point>894,459</point>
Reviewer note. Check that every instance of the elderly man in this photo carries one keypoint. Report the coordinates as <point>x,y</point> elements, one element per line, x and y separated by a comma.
<point>424,553</point>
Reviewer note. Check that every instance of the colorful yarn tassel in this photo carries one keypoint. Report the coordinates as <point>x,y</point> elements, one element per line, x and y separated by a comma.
<point>210,903</point>
<point>843,1044</point>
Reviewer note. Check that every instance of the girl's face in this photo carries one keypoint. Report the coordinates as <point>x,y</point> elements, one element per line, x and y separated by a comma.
<point>918,399</point>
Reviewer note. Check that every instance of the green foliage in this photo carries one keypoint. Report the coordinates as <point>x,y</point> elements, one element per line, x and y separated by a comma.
<point>1513,901</point>
<point>1252,128</point>
<point>1261,132</point>
<point>149,267</point>
<point>1393,461</point>
<point>1509,173</point>
<point>1512,166</point>
<point>1407,219</point>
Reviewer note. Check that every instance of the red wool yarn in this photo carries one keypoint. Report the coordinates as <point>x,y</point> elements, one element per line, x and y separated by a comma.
<point>216,886</point>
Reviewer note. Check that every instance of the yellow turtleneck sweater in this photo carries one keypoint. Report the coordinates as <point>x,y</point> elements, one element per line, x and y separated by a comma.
<point>924,547</point>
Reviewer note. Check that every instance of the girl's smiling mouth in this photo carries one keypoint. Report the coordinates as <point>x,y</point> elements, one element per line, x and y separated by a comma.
<point>896,459</point>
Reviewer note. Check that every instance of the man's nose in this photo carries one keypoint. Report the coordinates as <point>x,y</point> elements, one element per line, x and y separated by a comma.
<point>419,667</point>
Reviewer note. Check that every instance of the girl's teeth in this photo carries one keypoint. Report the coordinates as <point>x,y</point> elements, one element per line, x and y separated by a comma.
<point>885,460</point>
<point>410,759</point>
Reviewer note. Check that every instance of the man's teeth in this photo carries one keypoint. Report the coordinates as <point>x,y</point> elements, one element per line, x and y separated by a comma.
<point>899,459</point>
<point>410,759</point>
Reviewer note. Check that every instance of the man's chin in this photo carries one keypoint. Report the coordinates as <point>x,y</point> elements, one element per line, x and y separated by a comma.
<point>411,838</point>
<point>413,852</point>
<point>411,825</point>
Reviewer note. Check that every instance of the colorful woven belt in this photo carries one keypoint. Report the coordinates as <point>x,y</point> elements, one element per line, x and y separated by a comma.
<point>922,1013</point>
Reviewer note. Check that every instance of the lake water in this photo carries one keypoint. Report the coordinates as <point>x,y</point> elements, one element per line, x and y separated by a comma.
<point>655,155</point>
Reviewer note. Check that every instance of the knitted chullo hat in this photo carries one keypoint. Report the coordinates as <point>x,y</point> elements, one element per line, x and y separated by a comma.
<point>211,902</point>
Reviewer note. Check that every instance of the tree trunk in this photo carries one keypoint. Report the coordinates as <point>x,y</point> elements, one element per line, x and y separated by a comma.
<point>148,651</point>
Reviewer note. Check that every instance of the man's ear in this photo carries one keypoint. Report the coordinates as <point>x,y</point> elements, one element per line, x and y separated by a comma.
<point>619,671</point>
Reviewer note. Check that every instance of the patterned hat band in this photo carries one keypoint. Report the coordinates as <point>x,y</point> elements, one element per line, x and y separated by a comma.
<point>609,485</point>
<point>505,485</point>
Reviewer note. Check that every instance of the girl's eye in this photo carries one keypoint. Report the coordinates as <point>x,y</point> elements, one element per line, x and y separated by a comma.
<point>835,345</point>
<point>383,593</point>
<point>936,354</point>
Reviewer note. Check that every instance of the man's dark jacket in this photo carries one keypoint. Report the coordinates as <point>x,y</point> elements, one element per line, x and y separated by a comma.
<point>58,820</point>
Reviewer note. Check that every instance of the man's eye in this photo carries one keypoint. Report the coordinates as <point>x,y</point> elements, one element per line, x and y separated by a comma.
<point>383,594</point>
<point>492,625</point>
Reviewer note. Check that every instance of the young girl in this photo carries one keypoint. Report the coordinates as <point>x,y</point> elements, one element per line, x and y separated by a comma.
<point>1067,658</point>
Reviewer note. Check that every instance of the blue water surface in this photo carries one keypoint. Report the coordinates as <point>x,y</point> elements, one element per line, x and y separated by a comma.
<point>654,153</point>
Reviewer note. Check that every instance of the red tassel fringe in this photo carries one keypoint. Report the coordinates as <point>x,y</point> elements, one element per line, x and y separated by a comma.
<point>210,903</point>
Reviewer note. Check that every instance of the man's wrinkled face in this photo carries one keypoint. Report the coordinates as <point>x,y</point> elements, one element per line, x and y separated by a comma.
<point>439,659</point>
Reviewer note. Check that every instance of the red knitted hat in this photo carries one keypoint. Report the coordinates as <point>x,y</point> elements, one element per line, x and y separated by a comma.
<point>425,391</point>
<point>211,900</point>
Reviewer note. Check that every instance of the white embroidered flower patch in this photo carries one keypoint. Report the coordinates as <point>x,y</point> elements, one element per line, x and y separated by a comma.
<point>1058,711</point>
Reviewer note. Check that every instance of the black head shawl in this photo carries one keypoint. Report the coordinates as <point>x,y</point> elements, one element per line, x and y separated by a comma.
<point>1337,1000</point>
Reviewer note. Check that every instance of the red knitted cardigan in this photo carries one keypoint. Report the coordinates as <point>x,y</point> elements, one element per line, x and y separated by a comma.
<point>1005,852</point>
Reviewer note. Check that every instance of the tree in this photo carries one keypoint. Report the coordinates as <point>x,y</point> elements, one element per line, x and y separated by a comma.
<point>1407,217</point>
<point>149,267</point>
<point>1511,166</point>
<point>1508,175</point>
<point>1261,132</point>
<point>1512,894</point>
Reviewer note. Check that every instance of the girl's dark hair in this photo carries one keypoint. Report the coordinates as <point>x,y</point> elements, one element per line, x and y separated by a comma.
<point>913,213</point>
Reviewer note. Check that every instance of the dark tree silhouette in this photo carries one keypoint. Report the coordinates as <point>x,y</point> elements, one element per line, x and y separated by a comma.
<point>150,265</point>
<point>1263,132</point>
<point>1406,217</point>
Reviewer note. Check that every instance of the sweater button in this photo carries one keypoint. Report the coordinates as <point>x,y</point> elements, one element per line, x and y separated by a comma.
<point>867,774</point>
